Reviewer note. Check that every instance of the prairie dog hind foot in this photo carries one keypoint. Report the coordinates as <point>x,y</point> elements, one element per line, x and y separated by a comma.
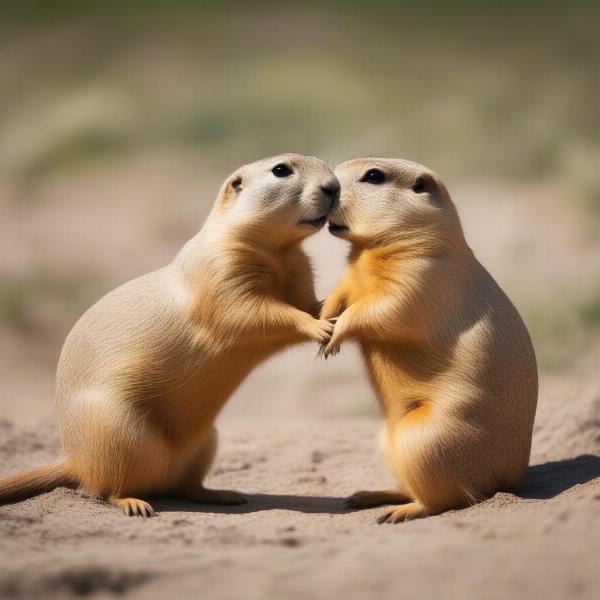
<point>414,510</point>
<point>133,507</point>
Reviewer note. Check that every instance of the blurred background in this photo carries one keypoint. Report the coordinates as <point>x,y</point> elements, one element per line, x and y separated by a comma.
<point>119,121</point>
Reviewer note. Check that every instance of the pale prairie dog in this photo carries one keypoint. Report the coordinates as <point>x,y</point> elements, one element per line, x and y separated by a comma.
<point>447,353</point>
<point>145,371</point>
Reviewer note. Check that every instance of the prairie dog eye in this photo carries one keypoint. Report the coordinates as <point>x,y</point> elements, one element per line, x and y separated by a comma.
<point>281,170</point>
<point>374,176</point>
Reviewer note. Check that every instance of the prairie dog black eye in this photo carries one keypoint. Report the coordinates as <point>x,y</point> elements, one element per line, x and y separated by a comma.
<point>281,170</point>
<point>374,176</point>
<point>423,183</point>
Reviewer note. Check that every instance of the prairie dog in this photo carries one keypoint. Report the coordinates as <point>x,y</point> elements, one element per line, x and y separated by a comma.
<point>146,370</point>
<point>447,353</point>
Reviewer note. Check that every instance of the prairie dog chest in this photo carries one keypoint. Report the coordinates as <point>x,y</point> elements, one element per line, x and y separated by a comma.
<point>366,276</point>
<point>283,283</point>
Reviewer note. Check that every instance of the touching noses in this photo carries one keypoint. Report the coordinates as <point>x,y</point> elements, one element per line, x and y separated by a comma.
<point>332,190</point>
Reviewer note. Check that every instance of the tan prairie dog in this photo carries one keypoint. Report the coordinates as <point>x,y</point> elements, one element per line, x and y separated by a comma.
<point>145,371</point>
<point>447,353</point>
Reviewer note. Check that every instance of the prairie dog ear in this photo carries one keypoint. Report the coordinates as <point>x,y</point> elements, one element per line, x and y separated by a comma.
<point>236,183</point>
<point>425,184</point>
<point>231,188</point>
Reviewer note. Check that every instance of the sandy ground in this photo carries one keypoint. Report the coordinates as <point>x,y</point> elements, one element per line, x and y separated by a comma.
<point>294,539</point>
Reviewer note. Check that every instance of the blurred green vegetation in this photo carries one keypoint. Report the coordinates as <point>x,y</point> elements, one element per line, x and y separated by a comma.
<point>472,88</point>
<point>477,90</point>
<point>562,328</point>
<point>34,301</point>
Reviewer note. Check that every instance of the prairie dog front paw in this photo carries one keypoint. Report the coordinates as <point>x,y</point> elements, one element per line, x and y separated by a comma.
<point>319,330</point>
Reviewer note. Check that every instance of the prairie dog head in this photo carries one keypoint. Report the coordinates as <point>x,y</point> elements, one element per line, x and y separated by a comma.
<point>387,200</point>
<point>282,198</point>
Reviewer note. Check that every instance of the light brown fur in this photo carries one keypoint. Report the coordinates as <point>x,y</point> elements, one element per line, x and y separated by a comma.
<point>447,353</point>
<point>146,370</point>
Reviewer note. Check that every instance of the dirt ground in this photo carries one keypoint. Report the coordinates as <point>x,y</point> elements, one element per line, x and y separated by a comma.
<point>295,539</point>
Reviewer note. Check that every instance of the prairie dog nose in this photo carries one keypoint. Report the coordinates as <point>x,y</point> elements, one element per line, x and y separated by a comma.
<point>331,188</point>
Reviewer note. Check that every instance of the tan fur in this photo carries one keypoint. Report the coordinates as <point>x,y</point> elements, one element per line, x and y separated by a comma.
<point>37,481</point>
<point>146,370</point>
<point>447,353</point>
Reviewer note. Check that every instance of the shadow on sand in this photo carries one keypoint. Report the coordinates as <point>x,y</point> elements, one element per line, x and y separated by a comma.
<point>553,478</point>
<point>541,482</point>
<point>258,502</point>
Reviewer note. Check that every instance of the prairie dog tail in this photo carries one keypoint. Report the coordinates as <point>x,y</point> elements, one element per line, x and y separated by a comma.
<point>31,483</point>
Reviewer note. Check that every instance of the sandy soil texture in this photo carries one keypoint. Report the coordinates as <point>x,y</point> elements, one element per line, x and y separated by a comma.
<point>294,539</point>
